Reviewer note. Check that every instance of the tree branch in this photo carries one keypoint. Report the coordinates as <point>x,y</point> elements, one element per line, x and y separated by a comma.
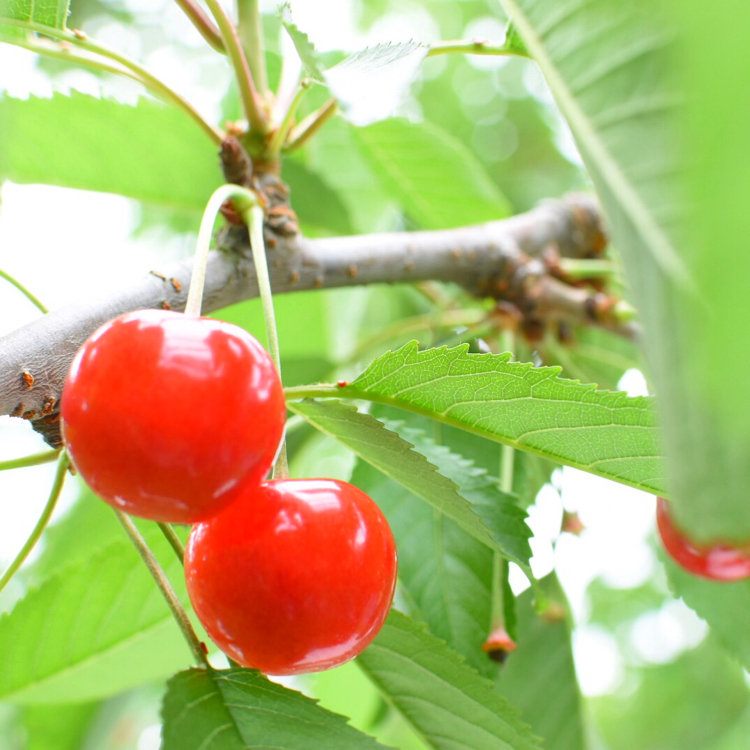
<point>505,260</point>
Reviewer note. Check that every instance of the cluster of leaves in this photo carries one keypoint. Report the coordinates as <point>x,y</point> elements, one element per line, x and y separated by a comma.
<point>425,437</point>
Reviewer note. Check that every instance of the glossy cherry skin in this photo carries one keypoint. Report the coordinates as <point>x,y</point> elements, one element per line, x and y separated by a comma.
<point>164,415</point>
<point>296,576</point>
<point>718,562</point>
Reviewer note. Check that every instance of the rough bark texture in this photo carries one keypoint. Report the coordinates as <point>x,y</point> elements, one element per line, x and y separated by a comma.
<point>509,260</point>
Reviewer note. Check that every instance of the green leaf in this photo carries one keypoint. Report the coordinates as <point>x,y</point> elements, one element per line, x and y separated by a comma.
<point>52,13</point>
<point>100,626</point>
<point>239,708</point>
<point>148,151</point>
<point>686,704</point>
<point>305,49</point>
<point>539,676</point>
<point>498,510</point>
<point>401,461</point>
<point>438,181</point>
<point>530,408</point>
<point>444,573</point>
<point>648,95</point>
<point>447,702</point>
<point>724,606</point>
<point>62,727</point>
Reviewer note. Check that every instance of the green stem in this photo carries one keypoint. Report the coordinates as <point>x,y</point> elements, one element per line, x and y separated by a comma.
<point>473,48</point>
<point>41,524</point>
<point>203,244</point>
<point>149,80</point>
<point>26,293</point>
<point>35,460</point>
<point>279,137</point>
<point>174,541</point>
<point>164,586</point>
<point>581,269</point>
<point>250,31</point>
<point>248,94</point>
<point>202,23</point>
<point>253,217</point>
<point>311,125</point>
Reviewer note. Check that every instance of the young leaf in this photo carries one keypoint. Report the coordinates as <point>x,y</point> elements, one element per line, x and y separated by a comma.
<point>444,573</point>
<point>438,181</point>
<point>530,408</point>
<point>97,628</point>
<point>370,84</point>
<point>724,606</point>
<point>398,459</point>
<point>447,702</point>
<point>240,708</point>
<point>305,49</point>
<point>148,151</point>
<point>539,676</point>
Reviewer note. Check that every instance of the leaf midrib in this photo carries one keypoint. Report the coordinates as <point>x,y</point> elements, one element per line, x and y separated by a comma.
<point>630,202</point>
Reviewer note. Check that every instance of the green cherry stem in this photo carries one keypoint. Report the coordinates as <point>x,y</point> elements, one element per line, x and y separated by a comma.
<point>242,199</point>
<point>174,541</point>
<point>41,524</point>
<point>246,204</point>
<point>164,585</point>
<point>253,217</point>
<point>26,293</point>
<point>34,460</point>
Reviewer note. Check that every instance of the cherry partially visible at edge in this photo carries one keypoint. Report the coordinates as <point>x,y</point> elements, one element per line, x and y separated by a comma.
<point>717,562</point>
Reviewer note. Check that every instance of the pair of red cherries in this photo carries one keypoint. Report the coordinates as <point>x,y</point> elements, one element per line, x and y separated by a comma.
<point>178,419</point>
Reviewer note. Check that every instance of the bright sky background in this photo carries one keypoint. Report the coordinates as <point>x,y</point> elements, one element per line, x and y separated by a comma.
<point>60,257</point>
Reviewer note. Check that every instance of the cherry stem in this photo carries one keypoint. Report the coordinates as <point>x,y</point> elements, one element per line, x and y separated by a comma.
<point>41,524</point>
<point>34,460</point>
<point>250,102</point>
<point>253,217</point>
<point>164,586</point>
<point>246,204</point>
<point>150,81</point>
<point>26,293</point>
<point>203,24</point>
<point>174,541</point>
<point>197,282</point>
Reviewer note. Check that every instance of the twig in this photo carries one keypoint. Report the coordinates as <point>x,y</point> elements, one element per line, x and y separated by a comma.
<point>500,259</point>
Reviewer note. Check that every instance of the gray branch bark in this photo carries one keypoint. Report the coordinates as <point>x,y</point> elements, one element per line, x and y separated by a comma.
<point>505,260</point>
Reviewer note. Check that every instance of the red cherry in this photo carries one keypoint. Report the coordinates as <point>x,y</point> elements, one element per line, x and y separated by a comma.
<point>164,415</point>
<point>296,576</point>
<point>719,561</point>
